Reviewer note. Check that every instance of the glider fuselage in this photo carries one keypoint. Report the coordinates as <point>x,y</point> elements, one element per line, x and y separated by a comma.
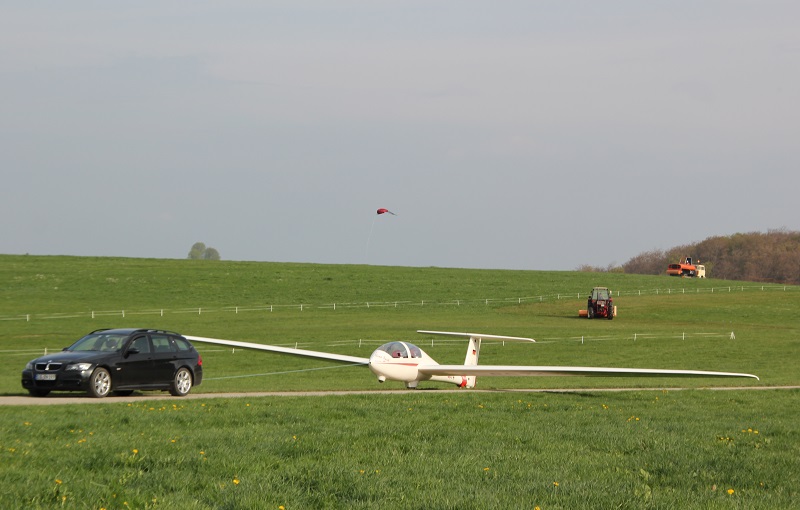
<point>399,361</point>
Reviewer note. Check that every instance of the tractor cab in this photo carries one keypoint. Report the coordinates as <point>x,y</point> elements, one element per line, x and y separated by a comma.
<point>600,304</point>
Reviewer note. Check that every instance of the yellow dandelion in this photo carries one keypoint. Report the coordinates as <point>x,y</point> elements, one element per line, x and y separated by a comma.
<point>281,507</point>
<point>486,469</point>
<point>235,481</point>
<point>555,484</point>
<point>731,491</point>
<point>58,482</point>
<point>135,451</point>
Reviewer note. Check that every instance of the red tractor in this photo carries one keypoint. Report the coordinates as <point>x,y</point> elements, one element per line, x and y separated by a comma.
<point>600,304</point>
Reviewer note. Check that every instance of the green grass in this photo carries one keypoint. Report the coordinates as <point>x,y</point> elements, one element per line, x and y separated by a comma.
<point>421,449</point>
<point>409,450</point>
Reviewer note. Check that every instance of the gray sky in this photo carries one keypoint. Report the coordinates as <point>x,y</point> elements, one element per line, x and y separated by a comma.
<point>519,135</point>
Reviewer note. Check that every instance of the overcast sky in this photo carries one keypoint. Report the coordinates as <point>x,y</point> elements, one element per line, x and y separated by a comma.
<point>516,135</point>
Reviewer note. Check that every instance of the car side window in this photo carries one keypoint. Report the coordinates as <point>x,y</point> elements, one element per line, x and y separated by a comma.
<point>141,344</point>
<point>183,345</point>
<point>161,343</point>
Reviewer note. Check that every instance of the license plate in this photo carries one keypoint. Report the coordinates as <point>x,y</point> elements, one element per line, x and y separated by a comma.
<point>45,377</point>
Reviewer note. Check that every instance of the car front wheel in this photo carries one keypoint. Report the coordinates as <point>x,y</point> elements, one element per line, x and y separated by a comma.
<point>100,383</point>
<point>182,383</point>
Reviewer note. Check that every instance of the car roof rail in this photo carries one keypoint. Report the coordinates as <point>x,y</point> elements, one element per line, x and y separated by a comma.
<point>160,331</point>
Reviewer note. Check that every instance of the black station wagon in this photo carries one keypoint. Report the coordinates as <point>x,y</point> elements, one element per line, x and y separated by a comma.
<point>118,360</point>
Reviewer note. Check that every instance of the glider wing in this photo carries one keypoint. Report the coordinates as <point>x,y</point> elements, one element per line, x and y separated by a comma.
<point>283,350</point>
<point>510,370</point>
<point>477,336</point>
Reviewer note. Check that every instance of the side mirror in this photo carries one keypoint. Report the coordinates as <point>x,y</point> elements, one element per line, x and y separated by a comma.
<point>132,350</point>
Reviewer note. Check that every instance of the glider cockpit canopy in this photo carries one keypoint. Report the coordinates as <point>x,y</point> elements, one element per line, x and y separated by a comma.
<point>401,350</point>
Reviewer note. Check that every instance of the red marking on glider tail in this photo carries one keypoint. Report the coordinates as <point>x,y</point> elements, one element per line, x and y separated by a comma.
<point>384,211</point>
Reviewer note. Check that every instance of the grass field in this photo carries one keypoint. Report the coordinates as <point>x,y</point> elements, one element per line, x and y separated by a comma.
<point>418,449</point>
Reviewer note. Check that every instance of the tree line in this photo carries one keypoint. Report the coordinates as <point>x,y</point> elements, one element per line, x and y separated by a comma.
<point>772,257</point>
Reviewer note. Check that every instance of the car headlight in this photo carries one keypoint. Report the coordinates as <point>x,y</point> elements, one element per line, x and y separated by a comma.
<point>80,367</point>
<point>29,366</point>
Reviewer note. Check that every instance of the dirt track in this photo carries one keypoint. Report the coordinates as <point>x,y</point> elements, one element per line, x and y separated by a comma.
<point>74,398</point>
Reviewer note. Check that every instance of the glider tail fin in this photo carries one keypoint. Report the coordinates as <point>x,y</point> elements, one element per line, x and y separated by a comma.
<point>473,352</point>
<point>474,348</point>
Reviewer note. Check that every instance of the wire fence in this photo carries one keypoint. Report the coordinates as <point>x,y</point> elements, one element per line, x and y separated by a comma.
<point>421,303</point>
<point>369,344</point>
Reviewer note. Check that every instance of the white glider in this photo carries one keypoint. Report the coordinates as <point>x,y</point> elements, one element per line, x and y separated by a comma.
<point>405,362</point>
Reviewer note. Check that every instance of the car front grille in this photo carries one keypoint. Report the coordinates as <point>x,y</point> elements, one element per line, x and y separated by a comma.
<point>48,367</point>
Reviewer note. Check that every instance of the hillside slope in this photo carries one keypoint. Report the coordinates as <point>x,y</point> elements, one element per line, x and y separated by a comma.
<point>773,256</point>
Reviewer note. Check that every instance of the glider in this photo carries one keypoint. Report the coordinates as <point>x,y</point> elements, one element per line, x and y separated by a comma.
<point>384,211</point>
<point>407,363</point>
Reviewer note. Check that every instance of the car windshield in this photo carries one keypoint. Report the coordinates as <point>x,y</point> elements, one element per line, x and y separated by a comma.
<point>104,342</point>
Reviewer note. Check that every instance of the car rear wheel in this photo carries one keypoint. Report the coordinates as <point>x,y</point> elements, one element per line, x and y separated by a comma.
<point>182,383</point>
<point>100,383</point>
